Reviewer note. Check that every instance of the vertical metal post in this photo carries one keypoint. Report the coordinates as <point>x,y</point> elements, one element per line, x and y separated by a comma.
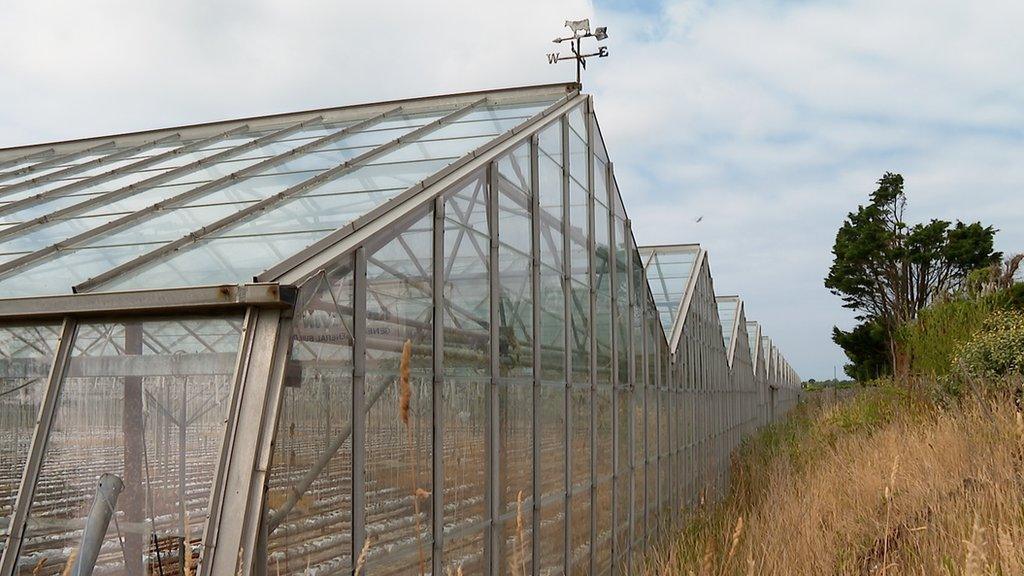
<point>494,428</point>
<point>248,442</point>
<point>437,405</point>
<point>132,501</point>
<point>630,294</point>
<point>591,248</point>
<point>567,293</point>
<point>646,412</point>
<point>37,448</point>
<point>535,295</point>
<point>614,287</point>
<point>359,292</point>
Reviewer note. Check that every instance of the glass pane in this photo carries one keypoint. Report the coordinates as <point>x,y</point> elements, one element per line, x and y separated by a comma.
<point>26,355</point>
<point>398,392</point>
<point>515,474</point>
<point>145,401</point>
<point>552,325</point>
<point>515,264</point>
<point>467,287</point>
<point>58,274</point>
<point>466,393</point>
<point>225,260</point>
<point>309,492</point>
<point>580,332</point>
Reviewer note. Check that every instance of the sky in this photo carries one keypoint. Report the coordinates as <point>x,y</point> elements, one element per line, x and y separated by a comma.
<point>770,119</point>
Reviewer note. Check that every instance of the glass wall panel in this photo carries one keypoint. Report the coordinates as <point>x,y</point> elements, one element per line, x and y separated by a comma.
<point>26,355</point>
<point>515,477</point>
<point>621,302</point>
<point>145,401</point>
<point>465,396</point>
<point>623,472</point>
<point>515,329</point>
<point>398,393</point>
<point>580,510</point>
<point>515,264</point>
<point>309,491</point>
<point>551,436</point>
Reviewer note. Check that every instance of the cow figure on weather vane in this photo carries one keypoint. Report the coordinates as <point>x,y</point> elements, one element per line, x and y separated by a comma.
<point>580,30</point>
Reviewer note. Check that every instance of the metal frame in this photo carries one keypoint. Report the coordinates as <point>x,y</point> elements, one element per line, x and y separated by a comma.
<point>76,168</point>
<point>437,406</point>
<point>37,449</point>
<point>154,181</point>
<point>26,158</point>
<point>266,203</point>
<point>57,160</point>
<point>563,124</point>
<point>535,215</point>
<point>110,174</point>
<point>493,497</point>
<point>172,300</point>
<point>172,202</point>
<point>726,400</point>
<point>359,404</point>
<point>247,446</point>
<point>305,263</point>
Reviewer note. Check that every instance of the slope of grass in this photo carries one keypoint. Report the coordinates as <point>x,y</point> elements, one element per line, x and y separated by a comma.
<point>886,482</point>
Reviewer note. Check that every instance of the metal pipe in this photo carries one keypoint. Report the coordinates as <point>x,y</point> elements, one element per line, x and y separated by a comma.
<point>103,504</point>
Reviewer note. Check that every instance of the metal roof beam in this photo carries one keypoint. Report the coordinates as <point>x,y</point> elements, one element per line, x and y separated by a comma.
<point>25,158</point>
<point>191,299</point>
<point>76,168</point>
<point>262,205</point>
<point>148,183</point>
<point>174,201</point>
<point>110,174</point>
<point>56,160</point>
<point>353,112</point>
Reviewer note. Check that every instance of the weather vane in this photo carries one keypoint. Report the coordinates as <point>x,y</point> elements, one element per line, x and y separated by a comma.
<point>580,30</point>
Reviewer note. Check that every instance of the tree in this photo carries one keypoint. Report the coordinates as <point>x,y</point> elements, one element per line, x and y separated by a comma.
<point>888,270</point>
<point>867,347</point>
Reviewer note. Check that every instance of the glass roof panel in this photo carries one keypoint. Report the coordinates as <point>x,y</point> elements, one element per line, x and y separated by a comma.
<point>228,259</point>
<point>727,318</point>
<point>56,275</point>
<point>668,273</point>
<point>252,244</point>
<point>752,338</point>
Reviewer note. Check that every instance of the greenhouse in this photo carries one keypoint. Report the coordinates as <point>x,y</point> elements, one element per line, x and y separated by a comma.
<point>407,337</point>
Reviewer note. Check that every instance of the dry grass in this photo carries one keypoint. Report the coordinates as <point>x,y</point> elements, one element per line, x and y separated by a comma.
<point>881,484</point>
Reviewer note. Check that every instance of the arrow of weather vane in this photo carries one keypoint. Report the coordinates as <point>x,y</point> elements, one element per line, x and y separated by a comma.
<point>580,30</point>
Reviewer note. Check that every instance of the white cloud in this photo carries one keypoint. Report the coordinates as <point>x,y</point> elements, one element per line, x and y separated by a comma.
<point>772,119</point>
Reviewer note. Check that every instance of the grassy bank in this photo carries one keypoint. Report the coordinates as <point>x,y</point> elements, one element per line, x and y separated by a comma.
<point>887,482</point>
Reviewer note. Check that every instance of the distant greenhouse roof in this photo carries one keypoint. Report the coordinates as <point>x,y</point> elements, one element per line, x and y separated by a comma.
<point>728,311</point>
<point>223,203</point>
<point>669,269</point>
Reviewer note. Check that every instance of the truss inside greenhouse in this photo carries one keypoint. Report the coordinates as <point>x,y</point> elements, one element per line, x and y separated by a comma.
<point>409,337</point>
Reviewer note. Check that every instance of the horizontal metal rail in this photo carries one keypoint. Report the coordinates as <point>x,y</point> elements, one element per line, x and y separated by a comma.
<point>111,174</point>
<point>76,168</point>
<point>184,197</point>
<point>262,205</point>
<point>191,299</point>
<point>153,181</point>
<point>56,160</point>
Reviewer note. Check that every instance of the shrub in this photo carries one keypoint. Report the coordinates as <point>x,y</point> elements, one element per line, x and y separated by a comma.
<point>997,349</point>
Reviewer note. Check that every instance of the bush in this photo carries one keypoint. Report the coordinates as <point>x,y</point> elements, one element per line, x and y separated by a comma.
<point>997,349</point>
<point>932,339</point>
